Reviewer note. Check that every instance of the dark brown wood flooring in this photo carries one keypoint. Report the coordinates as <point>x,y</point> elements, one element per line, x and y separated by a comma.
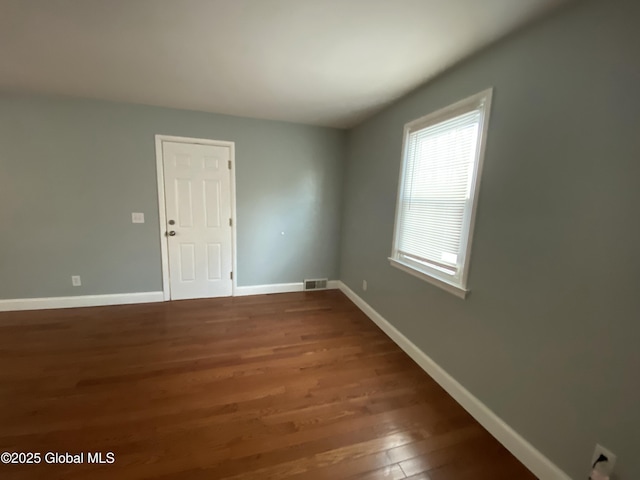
<point>289,386</point>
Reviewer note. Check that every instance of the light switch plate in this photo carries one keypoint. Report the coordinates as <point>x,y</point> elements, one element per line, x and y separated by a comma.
<point>137,217</point>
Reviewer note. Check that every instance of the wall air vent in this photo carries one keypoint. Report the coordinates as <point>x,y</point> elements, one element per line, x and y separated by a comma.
<point>315,284</point>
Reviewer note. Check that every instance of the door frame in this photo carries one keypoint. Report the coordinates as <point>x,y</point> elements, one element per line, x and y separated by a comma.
<point>164,248</point>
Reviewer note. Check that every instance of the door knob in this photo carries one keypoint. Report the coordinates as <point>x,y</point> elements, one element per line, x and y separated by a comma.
<point>172,233</point>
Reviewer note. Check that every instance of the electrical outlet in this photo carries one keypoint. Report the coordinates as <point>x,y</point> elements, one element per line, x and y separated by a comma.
<point>364,285</point>
<point>611,459</point>
<point>75,280</point>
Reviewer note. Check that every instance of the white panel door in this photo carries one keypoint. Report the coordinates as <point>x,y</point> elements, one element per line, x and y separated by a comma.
<point>198,207</point>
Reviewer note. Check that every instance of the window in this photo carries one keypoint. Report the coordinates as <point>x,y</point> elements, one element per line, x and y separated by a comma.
<point>439,181</point>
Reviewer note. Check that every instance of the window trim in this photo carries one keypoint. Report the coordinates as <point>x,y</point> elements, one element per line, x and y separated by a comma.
<point>456,284</point>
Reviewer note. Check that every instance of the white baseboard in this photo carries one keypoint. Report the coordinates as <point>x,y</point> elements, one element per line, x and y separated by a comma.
<point>130,298</point>
<point>79,301</point>
<point>278,288</point>
<point>264,289</point>
<point>535,461</point>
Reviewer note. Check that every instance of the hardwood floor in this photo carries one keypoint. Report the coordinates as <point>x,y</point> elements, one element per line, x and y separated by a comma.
<point>289,386</point>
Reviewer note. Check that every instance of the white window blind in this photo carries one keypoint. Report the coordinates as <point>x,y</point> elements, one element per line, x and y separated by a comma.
<point>435,203</point>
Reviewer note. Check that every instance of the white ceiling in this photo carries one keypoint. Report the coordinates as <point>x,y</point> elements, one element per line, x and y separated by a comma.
<point>322,62</point>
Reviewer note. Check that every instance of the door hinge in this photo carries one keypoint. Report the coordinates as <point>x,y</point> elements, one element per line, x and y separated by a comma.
<point>231,275</point>
<point>229,163</point>
<point>231,222</point>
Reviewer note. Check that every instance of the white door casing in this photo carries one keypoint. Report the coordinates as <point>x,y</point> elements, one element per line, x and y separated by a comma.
<point>195,177</point>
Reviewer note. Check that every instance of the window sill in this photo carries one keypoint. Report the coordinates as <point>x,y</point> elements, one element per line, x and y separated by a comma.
<point>449,287</point>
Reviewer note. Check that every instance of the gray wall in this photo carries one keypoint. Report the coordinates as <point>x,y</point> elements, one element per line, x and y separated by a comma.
<point>72,171</point>
<point>549,338</point>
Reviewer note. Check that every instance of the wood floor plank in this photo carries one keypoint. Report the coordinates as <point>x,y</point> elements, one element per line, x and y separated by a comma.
<point>289,386</point>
